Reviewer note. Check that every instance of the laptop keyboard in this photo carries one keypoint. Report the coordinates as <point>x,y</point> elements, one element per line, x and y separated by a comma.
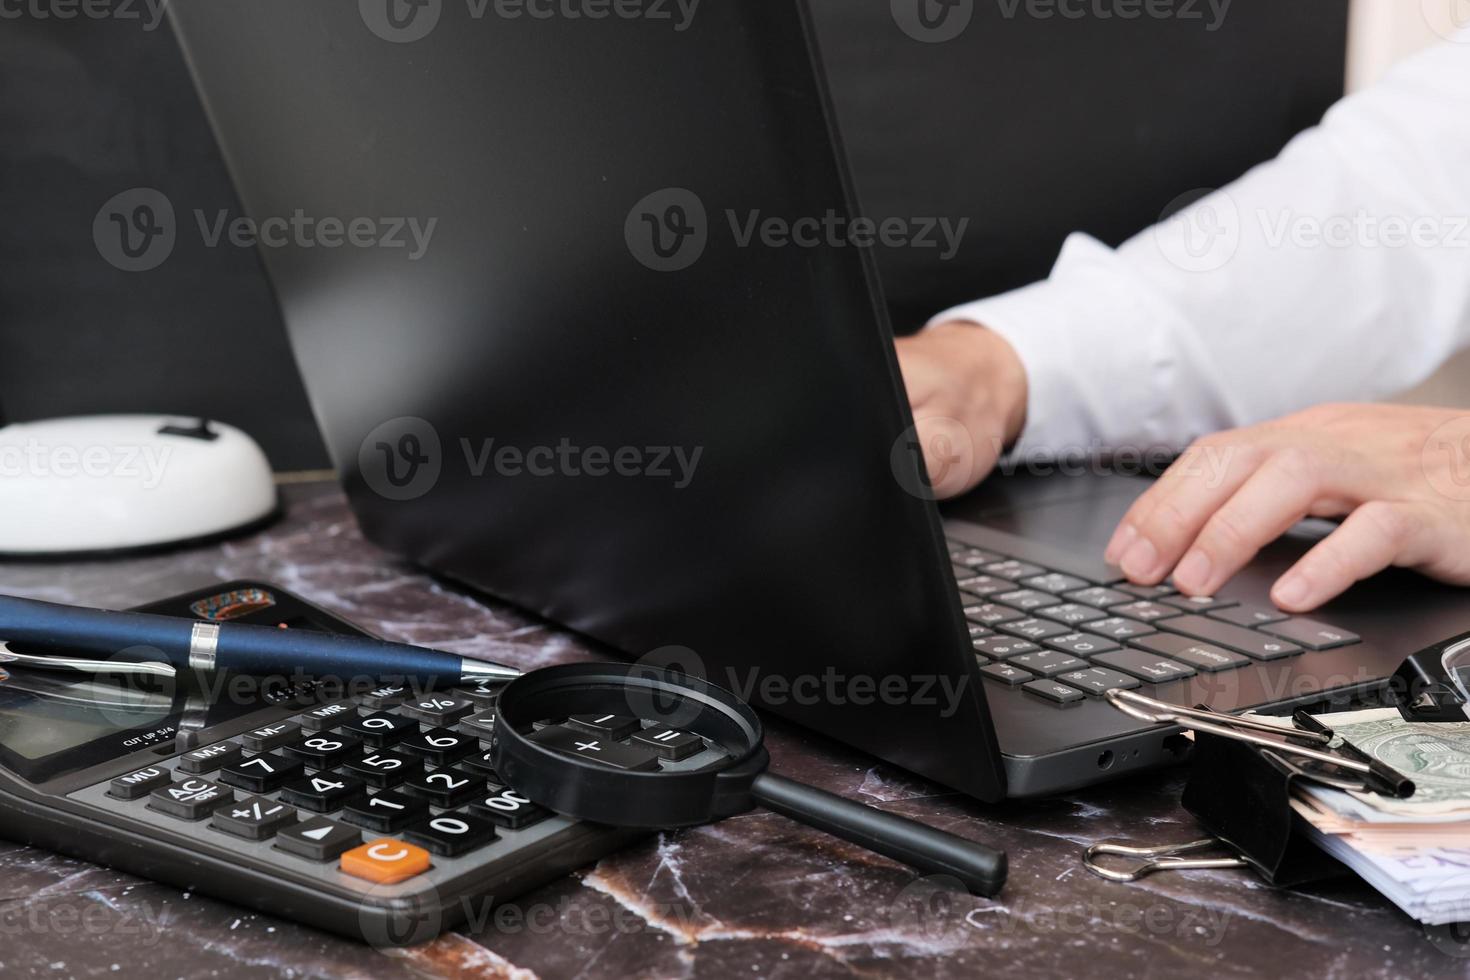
<point>1064,639</point>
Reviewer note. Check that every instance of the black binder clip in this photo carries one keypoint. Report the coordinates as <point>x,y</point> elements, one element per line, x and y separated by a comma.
<point>1433,685</point>
<point>1240,789</point>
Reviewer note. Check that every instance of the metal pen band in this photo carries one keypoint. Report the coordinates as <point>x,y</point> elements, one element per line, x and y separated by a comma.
<point>203,645</point>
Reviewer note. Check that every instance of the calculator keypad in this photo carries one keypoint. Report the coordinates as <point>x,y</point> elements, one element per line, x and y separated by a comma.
<point>361,787</point>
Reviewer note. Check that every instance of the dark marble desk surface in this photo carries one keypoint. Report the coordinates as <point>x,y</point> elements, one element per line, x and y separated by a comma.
<point>754,896</point>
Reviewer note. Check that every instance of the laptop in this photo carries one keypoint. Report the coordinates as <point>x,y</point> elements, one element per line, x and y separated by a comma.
<point>579,298</point>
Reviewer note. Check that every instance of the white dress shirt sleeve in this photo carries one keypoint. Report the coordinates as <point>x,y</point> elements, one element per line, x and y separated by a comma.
<point>1338,271</point>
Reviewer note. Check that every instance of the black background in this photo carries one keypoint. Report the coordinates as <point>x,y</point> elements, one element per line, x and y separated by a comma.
<point>1029,127</point>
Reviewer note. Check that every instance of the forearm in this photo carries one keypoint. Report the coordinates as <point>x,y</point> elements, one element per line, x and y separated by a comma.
<point>1343,272</point>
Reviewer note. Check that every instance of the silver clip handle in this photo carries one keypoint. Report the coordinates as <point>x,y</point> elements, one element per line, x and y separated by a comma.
<point>1163,858</point>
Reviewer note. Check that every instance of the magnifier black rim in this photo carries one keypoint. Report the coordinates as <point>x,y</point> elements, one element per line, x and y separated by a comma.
<point>590,791</point>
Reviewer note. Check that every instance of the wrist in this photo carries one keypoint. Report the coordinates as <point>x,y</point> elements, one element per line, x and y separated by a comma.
<point>996,372</point>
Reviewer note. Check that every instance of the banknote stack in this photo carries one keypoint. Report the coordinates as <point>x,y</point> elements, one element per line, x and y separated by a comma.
<point>1415,851</point>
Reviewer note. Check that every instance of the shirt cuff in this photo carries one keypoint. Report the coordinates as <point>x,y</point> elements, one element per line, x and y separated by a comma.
<point>1094,346</point>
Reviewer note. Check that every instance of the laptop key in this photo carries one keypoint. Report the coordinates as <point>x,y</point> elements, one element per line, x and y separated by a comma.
<point>1047,663</point>
<point>1013,569</point>
<point>1008,675</point>
<point>1237,638</point>
<point>1312,634</point>
<point>1034,629</point>
<point>1119,628</point>
<point>972,557</point>
<point>989,614</point>
<point>1147,592</point>
<point>1145,666</point>
<point>1144,611</point>
<point>1055,692</point>
<point>978,632</point>
<point>1247,615</point>
<point>1198,603</point>
<point>1027,600</point>
<point>1203,656</point>
<point>1004,647</point>
<point>1055,582</point>
<point>1099,596</point>
<point>1072,613</point>
<point>1098,681</point>
<point>1081,644</point>
<point>985,586</point>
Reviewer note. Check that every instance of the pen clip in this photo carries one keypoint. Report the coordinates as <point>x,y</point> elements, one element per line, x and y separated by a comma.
<point>9,657</point>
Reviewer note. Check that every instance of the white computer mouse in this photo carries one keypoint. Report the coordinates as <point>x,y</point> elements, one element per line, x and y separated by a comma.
<point>112,483</point>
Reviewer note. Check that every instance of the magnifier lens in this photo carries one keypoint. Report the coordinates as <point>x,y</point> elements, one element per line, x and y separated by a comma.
<point>641,747</point>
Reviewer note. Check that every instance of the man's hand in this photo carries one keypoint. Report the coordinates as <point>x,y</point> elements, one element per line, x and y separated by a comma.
<point>968,392</point>
<point>1401,477</point>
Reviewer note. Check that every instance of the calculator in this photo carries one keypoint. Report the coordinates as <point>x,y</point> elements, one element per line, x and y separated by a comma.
<point>371,813</point>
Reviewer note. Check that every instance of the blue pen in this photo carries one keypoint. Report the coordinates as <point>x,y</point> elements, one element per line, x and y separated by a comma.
<point>241,647</point>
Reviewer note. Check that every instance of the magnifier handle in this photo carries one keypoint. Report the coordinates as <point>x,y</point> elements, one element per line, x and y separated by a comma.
<point>982,869</point>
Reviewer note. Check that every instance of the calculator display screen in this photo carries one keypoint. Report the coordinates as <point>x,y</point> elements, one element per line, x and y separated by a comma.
<point>50,724</point>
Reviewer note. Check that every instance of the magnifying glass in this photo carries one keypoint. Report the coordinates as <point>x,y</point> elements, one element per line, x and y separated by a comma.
<point>642,747</point>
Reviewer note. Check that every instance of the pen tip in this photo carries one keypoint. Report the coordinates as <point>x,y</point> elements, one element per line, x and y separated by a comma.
<point>472,671</point>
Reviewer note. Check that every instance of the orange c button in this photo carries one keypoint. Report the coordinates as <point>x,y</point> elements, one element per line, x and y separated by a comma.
<point>386,861</point>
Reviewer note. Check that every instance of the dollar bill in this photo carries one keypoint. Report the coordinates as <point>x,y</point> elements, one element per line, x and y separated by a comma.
<point>1435,756</point>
